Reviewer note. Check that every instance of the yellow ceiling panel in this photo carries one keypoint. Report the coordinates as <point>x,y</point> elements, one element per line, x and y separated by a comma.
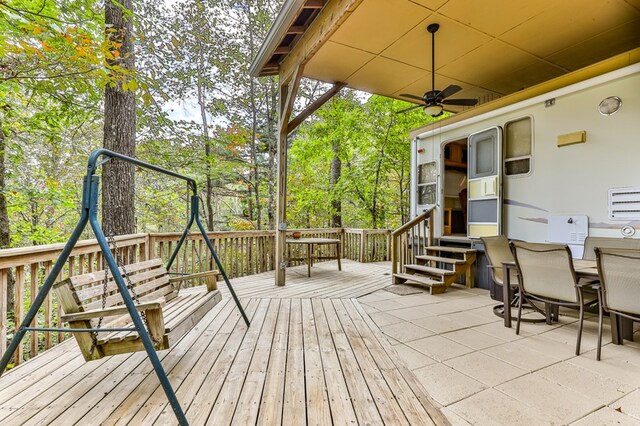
<point>485,62</point>
<point>431,4</point>
<point>509,81</point>
<point>336,62</point>
<point>384,76</point>
<point>453,40</point>
<point>571,22</point>
<point>600,47</point>
<point>494,17</point>
<point>375,24</point>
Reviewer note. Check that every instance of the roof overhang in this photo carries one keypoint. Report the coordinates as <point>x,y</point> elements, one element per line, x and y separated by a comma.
<point>491,48</point>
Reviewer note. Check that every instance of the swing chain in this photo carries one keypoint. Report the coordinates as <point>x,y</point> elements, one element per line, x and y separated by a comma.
<point>119,262</point>
<point>94,336</point>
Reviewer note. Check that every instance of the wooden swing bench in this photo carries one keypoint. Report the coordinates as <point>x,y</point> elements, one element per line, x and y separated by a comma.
<point>169,312</point>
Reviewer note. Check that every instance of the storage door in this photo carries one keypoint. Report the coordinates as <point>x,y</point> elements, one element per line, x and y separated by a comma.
<point>484,202</point>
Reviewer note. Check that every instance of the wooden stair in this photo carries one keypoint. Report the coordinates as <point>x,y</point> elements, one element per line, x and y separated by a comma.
<point>439,268</point>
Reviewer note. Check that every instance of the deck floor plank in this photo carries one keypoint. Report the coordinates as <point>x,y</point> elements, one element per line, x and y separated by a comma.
<point>248,406</point>
<point>293,409</point>
<point>317,401</point>
<point>411,406</point>
<point>197,340</point>
<point>363,402</point>
<point>218,394</point>
<point>130,394</point>
<point>219,353</point>
<point>342,412</point>
<point>273,392</point>
<point>390,411</point>
<point>312,355</point>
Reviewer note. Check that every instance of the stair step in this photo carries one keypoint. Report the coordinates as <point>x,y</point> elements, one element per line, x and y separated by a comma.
<point>420,279</point>
<point>442,249</point>
<point>430,270</point>
<point>441,259</point>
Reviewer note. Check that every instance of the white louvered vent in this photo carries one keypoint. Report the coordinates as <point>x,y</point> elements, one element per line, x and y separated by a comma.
<point>624,203</point>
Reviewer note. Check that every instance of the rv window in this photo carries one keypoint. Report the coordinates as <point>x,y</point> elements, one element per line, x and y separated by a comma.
<point>518,147</point>
<point>427,175</point>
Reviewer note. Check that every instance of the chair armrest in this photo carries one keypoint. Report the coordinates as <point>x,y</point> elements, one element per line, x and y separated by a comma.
<point>112,311</point>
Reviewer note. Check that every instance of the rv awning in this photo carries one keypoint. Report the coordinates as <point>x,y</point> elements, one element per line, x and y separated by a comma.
<point>490,48</point>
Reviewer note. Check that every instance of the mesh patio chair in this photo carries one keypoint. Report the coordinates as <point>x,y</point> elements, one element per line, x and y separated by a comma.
<point>614,243</point>
<point>547,275</point>
<point>497,250</point>
<point>619,271</point>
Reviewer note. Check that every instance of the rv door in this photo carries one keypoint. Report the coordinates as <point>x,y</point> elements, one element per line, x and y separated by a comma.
<point>484,202</point>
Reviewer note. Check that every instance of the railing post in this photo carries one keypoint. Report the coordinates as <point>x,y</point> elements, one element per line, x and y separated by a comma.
<point>362,246</point>
<point>4,281</point>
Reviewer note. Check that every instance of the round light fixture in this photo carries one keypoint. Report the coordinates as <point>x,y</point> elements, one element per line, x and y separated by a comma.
<point>609,105</point>
<point>433,110</point>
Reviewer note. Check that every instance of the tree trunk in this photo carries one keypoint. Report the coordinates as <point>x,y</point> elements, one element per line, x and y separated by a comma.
<point>5,236</point>
<point>336,202</point>
<point>205,136</point>
<point>118,188</point>
<point>255,175</point>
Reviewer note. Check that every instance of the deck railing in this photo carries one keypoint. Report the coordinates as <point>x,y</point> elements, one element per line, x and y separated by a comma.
<point>242,253</point>
<point>410,240</point>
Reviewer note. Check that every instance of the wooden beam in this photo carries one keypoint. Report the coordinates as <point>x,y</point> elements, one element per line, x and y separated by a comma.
<point>314,4</point>
<point>297,29</point>
<point>326,23</point>
<point>281,50</point>
<point>288,92</point>
<point>313,107</point>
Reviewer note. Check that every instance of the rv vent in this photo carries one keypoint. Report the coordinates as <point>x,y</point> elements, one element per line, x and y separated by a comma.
<point>624,203</point>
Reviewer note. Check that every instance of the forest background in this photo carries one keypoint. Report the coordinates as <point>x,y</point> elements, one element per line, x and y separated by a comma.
<point>198,112</point>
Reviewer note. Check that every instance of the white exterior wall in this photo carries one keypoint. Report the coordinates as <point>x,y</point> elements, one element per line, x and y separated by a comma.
<point>573,179</point>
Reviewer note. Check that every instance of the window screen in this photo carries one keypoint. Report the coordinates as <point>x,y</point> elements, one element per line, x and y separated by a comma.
<point>518,147</point>
<point>483,158</point>
<point>427,176</point>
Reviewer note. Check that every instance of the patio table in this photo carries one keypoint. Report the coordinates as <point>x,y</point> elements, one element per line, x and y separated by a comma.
<point>621,328</point>
<point>310,242</point>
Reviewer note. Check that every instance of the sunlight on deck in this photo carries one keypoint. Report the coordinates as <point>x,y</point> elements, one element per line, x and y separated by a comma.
<point>338,349</point>
<point>312,355</point>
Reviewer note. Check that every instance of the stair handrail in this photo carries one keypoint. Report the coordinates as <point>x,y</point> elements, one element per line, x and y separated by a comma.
<point>398,257</point>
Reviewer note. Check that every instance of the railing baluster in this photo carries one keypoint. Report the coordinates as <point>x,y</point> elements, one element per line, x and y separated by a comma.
<point>19,308</point>
<point>4,287</point>
<point>48,309</point>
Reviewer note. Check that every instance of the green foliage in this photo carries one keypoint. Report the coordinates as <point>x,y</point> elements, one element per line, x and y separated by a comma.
<point>57,57</point>
<point>374,150</point>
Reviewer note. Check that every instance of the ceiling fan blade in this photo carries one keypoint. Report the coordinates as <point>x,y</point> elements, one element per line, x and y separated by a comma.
<point>409,109</point>
<point>450,90</point>
<point>406,95</point>
<point>462,102</point>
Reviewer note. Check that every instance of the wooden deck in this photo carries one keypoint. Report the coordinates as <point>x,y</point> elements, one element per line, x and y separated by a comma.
<point>311,356</point>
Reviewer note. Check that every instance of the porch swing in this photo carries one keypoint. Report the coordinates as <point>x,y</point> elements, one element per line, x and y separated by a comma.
<point>159,313</point>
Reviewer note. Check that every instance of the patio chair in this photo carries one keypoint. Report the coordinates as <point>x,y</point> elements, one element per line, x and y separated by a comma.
<point>547,275</point>
<point>614,243</point>
<point>497,250</point>
<point>619,271</point>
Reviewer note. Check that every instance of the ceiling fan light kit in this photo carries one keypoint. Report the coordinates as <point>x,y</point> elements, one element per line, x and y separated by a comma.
<point>435,99</point>
<point>433,110</point>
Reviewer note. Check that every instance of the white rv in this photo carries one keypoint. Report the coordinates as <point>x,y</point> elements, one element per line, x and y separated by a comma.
<point>555,167</point>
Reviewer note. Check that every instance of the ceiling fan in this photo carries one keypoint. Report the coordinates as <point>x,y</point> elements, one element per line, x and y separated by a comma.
<point>435,99</point>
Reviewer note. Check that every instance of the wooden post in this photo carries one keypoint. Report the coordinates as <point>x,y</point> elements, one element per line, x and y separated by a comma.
<point>19,308</point>
<point>4,281</point>
<point>363,241</point>
<point>288,92</point>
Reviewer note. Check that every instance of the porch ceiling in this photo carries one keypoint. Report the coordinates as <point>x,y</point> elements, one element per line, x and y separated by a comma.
<point>490,48</point>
